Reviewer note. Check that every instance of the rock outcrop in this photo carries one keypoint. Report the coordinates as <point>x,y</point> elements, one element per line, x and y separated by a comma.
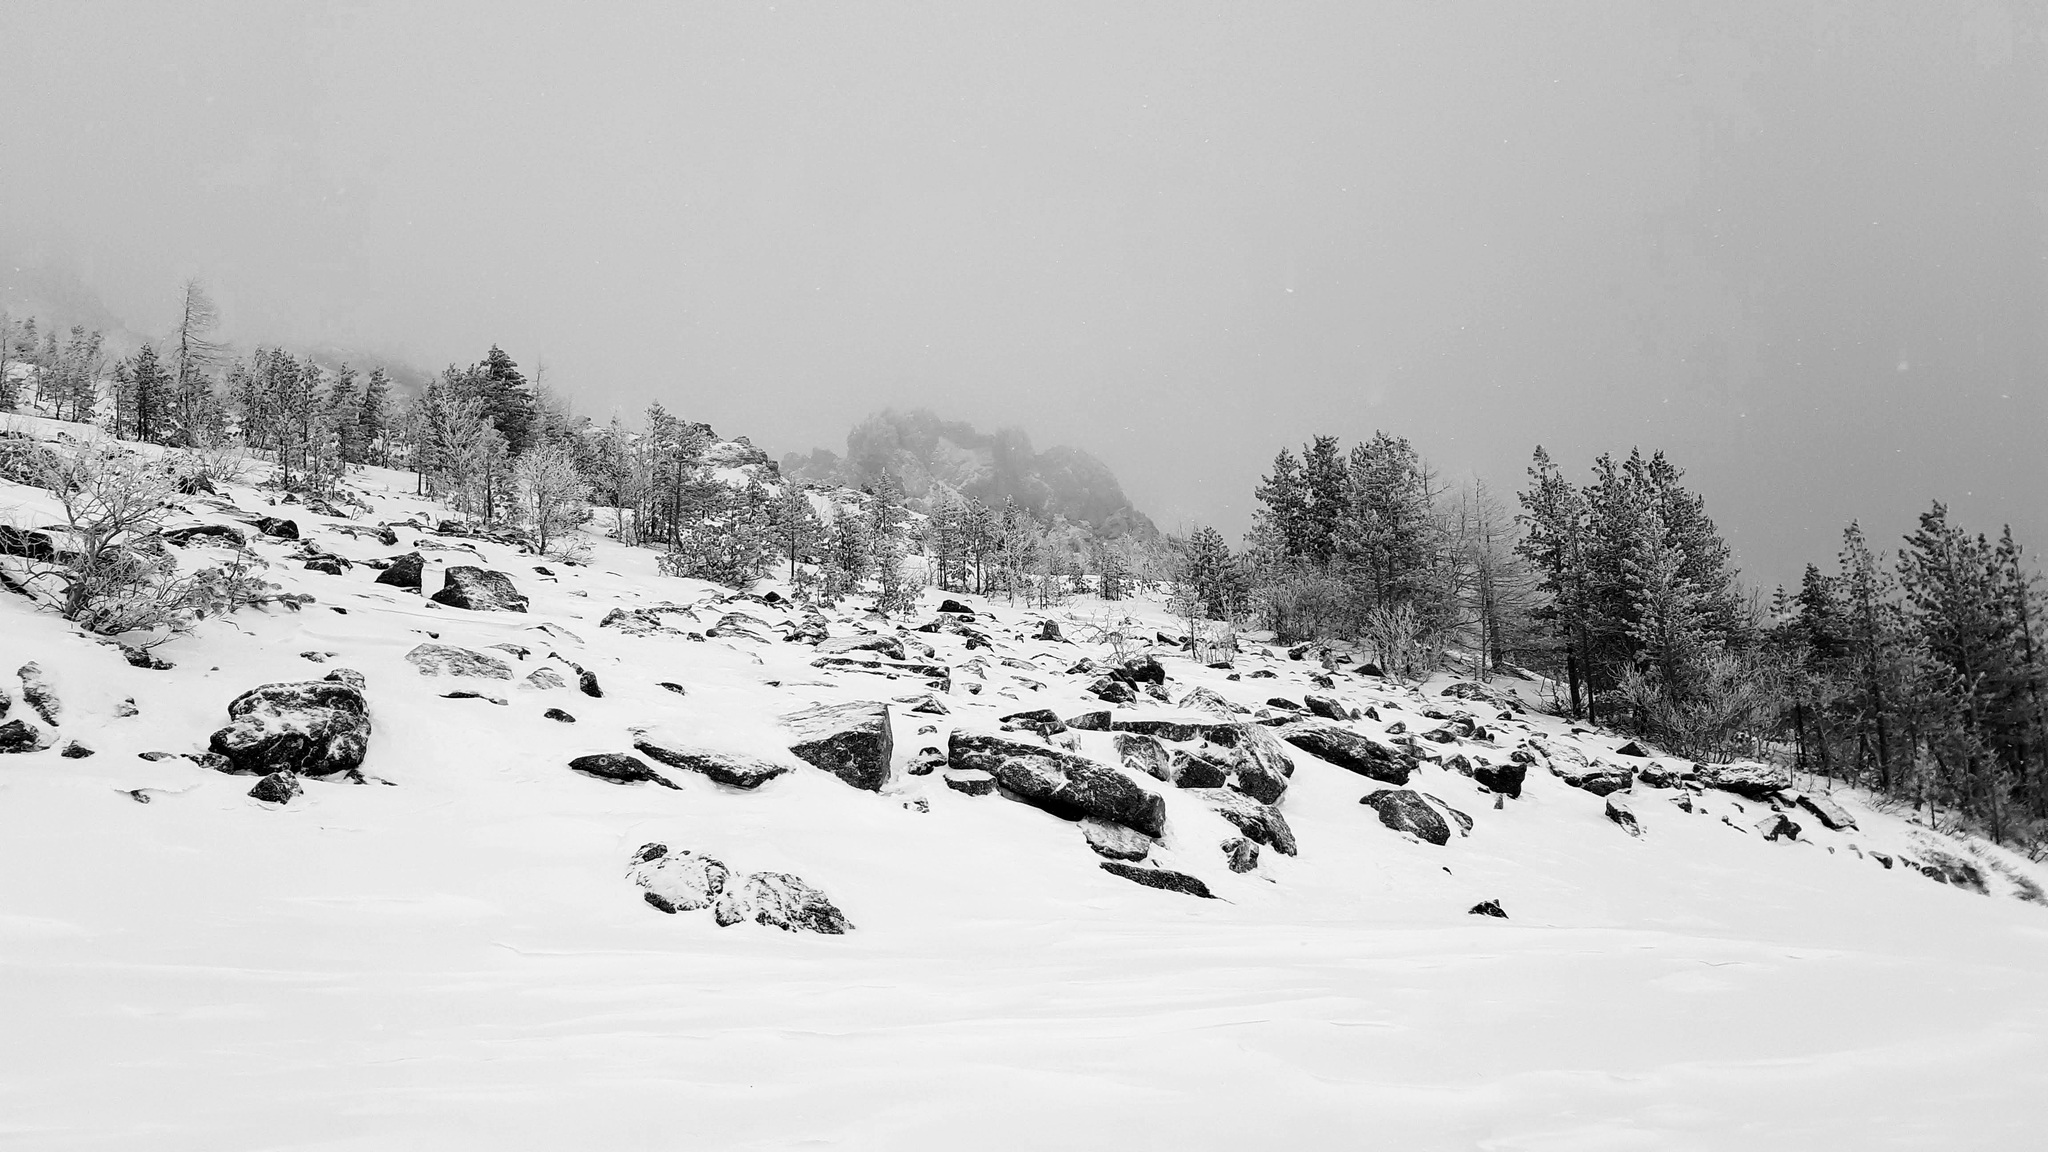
<point>1349,750</point>
<point>851,741</point>
<point>1066,785</point>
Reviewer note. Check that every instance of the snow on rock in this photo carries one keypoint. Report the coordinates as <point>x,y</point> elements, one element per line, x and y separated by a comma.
<point>680,880</point>
<point>404,572</point>
<point>780,900</point>
<point>732,769</point>
<point>1262,823</point>
<point>1162,878</point>
<point>1404,810</point>
<point>479,590</point>
<point>619,768</point>
<point>37,690</point>
<point>1115,841</point>
<point>851,741</point>
<point>450,660</point>
<point>1064,784</point>
<point>1745,778</point>
<point>1349,750</point>
<point>22,736</point>
<point>310,727</point>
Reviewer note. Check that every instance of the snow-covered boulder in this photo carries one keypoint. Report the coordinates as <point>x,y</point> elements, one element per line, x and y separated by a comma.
<point>311,727</point>
<point>1197,768</point>
<point>888,647</point>
<point>679,881</point>
<point>1261,822</point>
<point>779,900</point>
<point>1114,841</point>
<point>1162,878</point>
<point>1747,779</point>
<point>1623,816</point>
<point>1404,810</point>
<point>619,768</point>
<point>1064,784</point>
<point>1144,754</point>
<point>852,741</point>
<point>450,660</point>
<point>1349,750</point>
<point>479,590</point>
<point>22,736</point>
<point>1830,814</point>
<point>1260,766</point>
<point>732,769</point>
<point>40,694</point>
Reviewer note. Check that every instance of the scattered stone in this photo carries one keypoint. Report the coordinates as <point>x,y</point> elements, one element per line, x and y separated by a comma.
<point>852,741</point>
<point>1654,775</point>
<point>544,679</point>
<point>311,727</point>
<point>1326,707</point>
<point>1487,908</point>
<point>1142,670</point>
<point>732,769</point>
<point>123,710</point>
<point>779,900</point>
<point>680,881</point>
<point>926,762</point>
<point>1830,814</point>
<point>467,694</point>
<point>1747,779</point>
<point>331,565</point>
<point>1682,801</point>
<point>1163,878</point>
<point>558,716</point>
<point>634,622</point>
<point>141,658</point>
<point>1240,854</point>
<point>449,660</point>
<point>1406,811</point>
<point>1599,779</point>
<point>586,682</point>
<point>277,788</point>
<point>972,781</point>
<point>619,768</point>
<point>1262,822</point>
<point>1349,751</point>
<point>674,687</point>
<point>479,590</point>
<point>37,690</point>
<point>75,750</point>
<point>1778,825</point>
<point>1111,690</point>
<point>222,535</point>
<point>280,529</point>
<point>1115,841</point>
<point>1620,813</point>
<point>1063,784</point>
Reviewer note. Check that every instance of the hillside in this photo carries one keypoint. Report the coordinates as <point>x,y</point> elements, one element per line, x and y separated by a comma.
<point>934,458</point>
<point>450,944</point>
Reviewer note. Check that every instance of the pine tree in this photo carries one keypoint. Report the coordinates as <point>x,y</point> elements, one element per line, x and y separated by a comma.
<point>798,528</point>
<point>373,419</point>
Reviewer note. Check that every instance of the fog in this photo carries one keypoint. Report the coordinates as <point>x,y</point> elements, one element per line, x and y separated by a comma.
<point>1801,246</point>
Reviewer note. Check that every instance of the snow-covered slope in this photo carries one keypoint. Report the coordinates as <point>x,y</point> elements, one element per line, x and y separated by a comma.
<point>451,956</point>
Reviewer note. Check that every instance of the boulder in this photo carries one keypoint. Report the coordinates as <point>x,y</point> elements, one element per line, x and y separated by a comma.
<point>1240,854</point>
<point>1406,811</point>
<point>1593,776</point>
<point>1196,769</point>
<point>586,683</point>
<point>544,679</point>
<point>1162,878</point>
<point>1655,775</point>
<point>955,608</point>
<point>280,529</point>
<point>1143,754</point>
<point>449,660</point>
<point>732,769</point>
<point>1776,826</point>
<point>1747,779</point>
<point>1632,749</point>
<point>558,716</point>
<point>37,690</point>
<point>1206,700</point>
<point>779,900</point>
<point>1142,670</point>
<point>679,881</point>
<point>223,535</point>
<point>619,768</point>
<point>1829,813</point>
<point>1349,751</point>
<point>1061,783</point>
<point>634,622</point>
<point>1505,779</point>
<point>1097,721</point>
<point>479,590</point>
<point>1487,908</point>
<point>1623,816</point>
<point>1262,822</point>
<point>972,781</point>
<point>330,565</point>
<point>311,727</point>
<point>22,736</point>
<point>852,741</point>
<point>1260,765</point>
<point>76,750</point>
<point>1114,841</point>
<point>1325,706</point>
<point>277,788</point>
<point>1178,728</point>
<point>888,647</point>
<point>1112,691</point>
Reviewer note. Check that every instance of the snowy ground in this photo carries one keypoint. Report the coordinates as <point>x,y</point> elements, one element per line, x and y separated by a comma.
<point>457,962</point>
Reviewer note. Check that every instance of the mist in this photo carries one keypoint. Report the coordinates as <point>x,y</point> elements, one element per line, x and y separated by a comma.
<point>1799,246</point>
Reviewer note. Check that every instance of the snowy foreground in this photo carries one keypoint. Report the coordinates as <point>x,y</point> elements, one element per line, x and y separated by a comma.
<point>458,961</point>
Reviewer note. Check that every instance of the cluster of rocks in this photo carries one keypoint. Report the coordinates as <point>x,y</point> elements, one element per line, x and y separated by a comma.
<point>686,881</point>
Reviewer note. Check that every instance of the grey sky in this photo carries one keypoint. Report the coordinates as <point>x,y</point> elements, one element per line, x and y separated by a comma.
<point>1800,245</point>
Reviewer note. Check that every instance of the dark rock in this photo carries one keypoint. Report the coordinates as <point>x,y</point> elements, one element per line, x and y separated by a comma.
<point>1111,690</point>
<point>1041,720</point>
<point>619,768</point>
<point>1463,821</point>
<point>1089,721</point>
<point>1142,670</point>
<point>141,658</point>
<point>545,679</point>
<point>1205,700</point>
<point>280,529</point>
<point>972,781</point>
<point>779,900</point>
<point>1164,728</point>
<point>926,762</point>
<point>22,736</point>
<point>1049,630</point>
<point>1631,749</point>
<point>674,687</point>
<point>1188,769</point>
<point>1505,779</point>
<point>404,572</point>
<point>27,543</point>
<point>1163,878</point>
<point>1654,775</point>
<point>930,705</point>
<point>449,660</point>
<point>732,769</point>
<point>1283,702</point>
<point>586,682</point>
<point>479,590</point>
<point>1406,811</point>
<point>1064,784</point>
<point>1350,751</point>
<point>1591,776</point>
<point>331,565</point>
<point>852,741</point>
<point>1325,706</point>
<point>1487,908</point>
<point>559,716</point>
<point>1260,766</point>
<point>1619,812</point>
<point>681,881</point>
<point>75,750</point>
<point>311,727</point>
<point>1143,754</point>
<point>1262,822</point>
<point>1777,825</point>
<point>634,622</point>
<point>1749,780</point>
<point>1240,854</point>
<point>1115,841</point>
<point>221,534</point>
<point>955,607</point>
<point>40,694</point>
<point>1830,814</point>
<point>277,788</point>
